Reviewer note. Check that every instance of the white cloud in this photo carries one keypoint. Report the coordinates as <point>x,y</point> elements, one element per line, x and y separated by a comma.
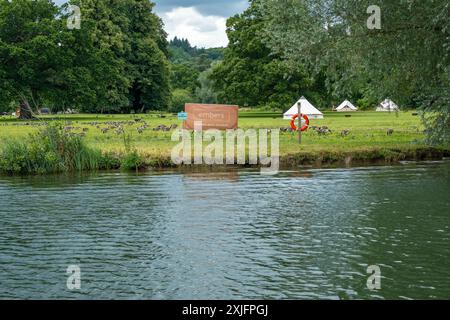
<point>201,30</point>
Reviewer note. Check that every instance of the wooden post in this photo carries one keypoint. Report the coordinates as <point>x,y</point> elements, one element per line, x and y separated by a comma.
<point>299,107</point>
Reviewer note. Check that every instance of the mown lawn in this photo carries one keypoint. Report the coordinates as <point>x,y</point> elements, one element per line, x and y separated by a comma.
<point>368,131</point>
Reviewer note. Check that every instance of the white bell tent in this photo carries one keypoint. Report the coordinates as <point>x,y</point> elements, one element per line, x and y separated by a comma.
<point>306,108</point>
<point>346,106</point>
<point>388,106</point>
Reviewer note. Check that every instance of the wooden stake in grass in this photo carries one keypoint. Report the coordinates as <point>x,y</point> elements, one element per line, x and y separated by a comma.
<point>299,107</point>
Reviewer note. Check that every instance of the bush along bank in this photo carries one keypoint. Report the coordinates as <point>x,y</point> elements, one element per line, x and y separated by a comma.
<point>49,150</point>
<point>53,150</point>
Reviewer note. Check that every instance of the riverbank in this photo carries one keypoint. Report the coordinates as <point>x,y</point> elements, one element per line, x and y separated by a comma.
<point>366,156</point>
<point>324,159</point>
<point>145,141</point>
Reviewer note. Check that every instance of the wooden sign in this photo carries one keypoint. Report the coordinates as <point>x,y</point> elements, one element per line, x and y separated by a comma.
<point>212,116</point>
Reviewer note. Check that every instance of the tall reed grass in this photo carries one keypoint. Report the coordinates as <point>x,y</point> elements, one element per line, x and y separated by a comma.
<point>131,160</point>
<point>50,150</point>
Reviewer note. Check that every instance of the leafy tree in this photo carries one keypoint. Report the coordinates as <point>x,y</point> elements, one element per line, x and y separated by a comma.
<point>124,46</point>
<point>179,98</point>
<point>146,57</point>
<point>117,61</point>
<point>203,62</point>
<point>30,55</point>
<point>250,75</point>
<point>96,80</point>
<point>184,76</point>
<point>179,56</point>
<point>205,92</point>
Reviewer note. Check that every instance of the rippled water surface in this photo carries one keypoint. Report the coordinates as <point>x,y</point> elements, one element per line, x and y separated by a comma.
<point>308,234</point>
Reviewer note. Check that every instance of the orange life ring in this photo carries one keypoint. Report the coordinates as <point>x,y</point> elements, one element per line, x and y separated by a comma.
<point>305,127</point>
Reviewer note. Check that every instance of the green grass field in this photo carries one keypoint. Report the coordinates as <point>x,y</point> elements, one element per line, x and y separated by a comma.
<point>368,132</point>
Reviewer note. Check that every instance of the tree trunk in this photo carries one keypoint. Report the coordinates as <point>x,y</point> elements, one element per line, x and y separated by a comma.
<point>25,112</point>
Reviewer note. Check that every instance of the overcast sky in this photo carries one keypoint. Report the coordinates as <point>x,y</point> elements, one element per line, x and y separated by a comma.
<point>202,22</point>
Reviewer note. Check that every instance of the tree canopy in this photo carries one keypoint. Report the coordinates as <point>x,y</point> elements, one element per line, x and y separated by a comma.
<point>30,54</point>
<point>251,75</point>
<point>116,62</point>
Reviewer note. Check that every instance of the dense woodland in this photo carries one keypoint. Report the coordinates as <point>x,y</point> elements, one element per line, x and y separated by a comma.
<point>116,62</point>
<point>121,61</point>
<point>191,69</point>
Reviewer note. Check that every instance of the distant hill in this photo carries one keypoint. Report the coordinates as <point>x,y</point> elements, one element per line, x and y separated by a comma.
<point>181,52</point>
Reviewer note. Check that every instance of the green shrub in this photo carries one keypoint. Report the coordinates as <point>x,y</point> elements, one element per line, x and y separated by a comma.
<point>179,98</point>
<point>131,160</point>
<point>14,157</point>
<point>366,103</point>
<point>50,150</point>
<point>109,161</point>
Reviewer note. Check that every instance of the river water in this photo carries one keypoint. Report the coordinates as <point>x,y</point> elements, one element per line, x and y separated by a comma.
<point>309,234</point>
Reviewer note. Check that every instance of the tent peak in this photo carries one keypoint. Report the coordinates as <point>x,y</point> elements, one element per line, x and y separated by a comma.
<point>306,108</point>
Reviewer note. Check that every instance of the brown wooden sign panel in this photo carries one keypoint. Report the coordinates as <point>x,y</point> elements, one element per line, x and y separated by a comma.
<point>212,116</point>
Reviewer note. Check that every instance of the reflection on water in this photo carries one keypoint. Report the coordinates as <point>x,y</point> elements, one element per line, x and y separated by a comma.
<point>230,235</point>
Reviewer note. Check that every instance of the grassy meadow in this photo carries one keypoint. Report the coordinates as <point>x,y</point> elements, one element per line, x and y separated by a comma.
<point>367,136</point>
